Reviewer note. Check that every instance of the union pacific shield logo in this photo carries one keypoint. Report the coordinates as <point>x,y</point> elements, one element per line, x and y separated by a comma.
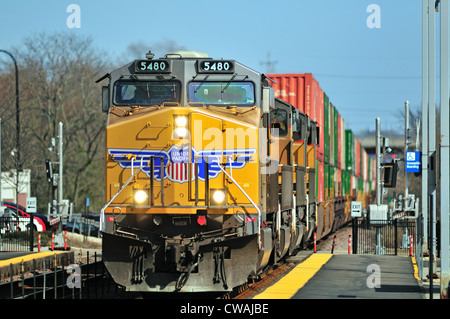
<point>175,162</point>
<point>177,170</point>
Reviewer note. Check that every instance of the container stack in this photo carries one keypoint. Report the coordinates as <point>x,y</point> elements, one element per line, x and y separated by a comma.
<point>343,166</point>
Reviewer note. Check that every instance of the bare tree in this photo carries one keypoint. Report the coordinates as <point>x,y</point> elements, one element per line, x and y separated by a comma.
<point>58,74</point>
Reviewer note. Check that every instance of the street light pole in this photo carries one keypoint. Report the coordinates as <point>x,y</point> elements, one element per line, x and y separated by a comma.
<point>444,148</point>
<point>18,164</point>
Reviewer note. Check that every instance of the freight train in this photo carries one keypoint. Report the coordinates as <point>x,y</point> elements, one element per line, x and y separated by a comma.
<point>215,171</point>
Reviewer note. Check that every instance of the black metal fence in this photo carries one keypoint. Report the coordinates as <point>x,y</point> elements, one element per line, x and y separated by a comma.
<point>381,237</point>
<point>87,279</point>
<point>16,233</point>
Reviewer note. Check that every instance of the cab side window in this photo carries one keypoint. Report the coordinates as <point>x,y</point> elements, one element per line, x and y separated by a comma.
<point>278,122</point>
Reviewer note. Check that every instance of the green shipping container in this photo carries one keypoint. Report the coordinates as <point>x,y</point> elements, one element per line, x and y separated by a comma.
<point>345,177</point>
<point>331,182</point>
<point>326,128</point>
<point>349,152</point>
<point>336,138</point>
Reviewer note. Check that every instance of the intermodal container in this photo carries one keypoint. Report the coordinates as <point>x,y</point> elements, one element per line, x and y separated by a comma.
<point>336,137</point>
<point>373,174</point>
<point>331,132</point>
<point>358,158</point>
<point>326,129</point>
<point>339,179</point>
<point>349,152</point>
<point>320,181</point>
<point>331,184</point>
<point>341,142</point>
<point>303,91</point>
<point>345,183</point>
<point>320,123</point>
<point>365,161</point>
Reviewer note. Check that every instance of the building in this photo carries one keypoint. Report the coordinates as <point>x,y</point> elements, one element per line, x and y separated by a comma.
<point>8,186</point>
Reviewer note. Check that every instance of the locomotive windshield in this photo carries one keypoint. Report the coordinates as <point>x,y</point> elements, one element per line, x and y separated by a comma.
<point>146,93</point>
<point>222,93</point>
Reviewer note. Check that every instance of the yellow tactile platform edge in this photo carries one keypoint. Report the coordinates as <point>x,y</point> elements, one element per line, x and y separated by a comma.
<point>287,286</point>
<point>28,257</point>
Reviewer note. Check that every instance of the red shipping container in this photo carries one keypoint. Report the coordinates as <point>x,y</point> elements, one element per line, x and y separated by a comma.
<point>320,182</point>
<point>319,109</point>
<point>358,158</point>
<point>365,171</point>
<point>339,140</point>
<point>302,91</point>
<point>338,189</point>
<point>299,89</point>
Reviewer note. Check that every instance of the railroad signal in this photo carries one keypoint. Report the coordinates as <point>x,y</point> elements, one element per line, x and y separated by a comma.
<point>49,170</point>
<point>390,174</point>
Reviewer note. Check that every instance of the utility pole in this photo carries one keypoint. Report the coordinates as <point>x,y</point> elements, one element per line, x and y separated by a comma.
<point>445,151</point>
<point>17,154</point>
<point>59,204</point>
<point>406,147</point>
<point>378,164</point>
<point>60,153</point>
<point>424,199</point>
<point>432,137</point>
<point>1,201</point>
<point>269,64</point>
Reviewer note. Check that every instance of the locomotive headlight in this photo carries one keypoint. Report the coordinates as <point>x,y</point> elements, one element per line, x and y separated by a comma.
<point>140,196</point>
<point>181,130</point>
<point>218,196</point>
<point>181,121</point>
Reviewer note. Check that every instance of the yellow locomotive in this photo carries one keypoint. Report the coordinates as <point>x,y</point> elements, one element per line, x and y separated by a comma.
<point>209,177</point>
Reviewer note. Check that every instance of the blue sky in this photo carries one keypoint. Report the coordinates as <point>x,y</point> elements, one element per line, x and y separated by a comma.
<point>366,72</point>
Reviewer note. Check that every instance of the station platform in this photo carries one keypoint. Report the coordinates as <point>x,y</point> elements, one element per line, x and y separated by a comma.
<point>15,263</point>
<point>343,276</point>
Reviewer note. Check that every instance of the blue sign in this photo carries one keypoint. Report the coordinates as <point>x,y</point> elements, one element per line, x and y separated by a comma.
<point>413,162</point>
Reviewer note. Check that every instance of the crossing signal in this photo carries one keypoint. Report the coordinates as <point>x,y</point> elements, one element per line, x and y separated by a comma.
<point>390,174</point>
<point>49,170</point>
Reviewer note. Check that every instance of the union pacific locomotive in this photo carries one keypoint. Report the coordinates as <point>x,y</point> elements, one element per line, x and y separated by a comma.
<point>211,176</point>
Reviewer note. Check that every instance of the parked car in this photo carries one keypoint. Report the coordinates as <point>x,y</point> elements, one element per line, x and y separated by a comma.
<point>81,228</point>
<point>41,221</point>
<point>10,222</point>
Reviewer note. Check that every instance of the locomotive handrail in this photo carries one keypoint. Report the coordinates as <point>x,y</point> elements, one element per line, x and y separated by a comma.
<point>102,211</point>
<point>251,201</point>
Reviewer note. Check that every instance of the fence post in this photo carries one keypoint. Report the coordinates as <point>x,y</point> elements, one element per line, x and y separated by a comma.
<point>355,235</point>
<point>334,244</point>
<point>34,278</point>
<point>31,231</point>
<point>315,245</point>
<point>395,235</point>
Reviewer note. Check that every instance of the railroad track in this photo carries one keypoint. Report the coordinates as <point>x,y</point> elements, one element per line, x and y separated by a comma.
<point>95,282</point>
<point>248,290</point>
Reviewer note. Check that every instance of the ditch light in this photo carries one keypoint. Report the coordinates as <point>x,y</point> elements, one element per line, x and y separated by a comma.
<point>140,196</point>
<point>218,197</point>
